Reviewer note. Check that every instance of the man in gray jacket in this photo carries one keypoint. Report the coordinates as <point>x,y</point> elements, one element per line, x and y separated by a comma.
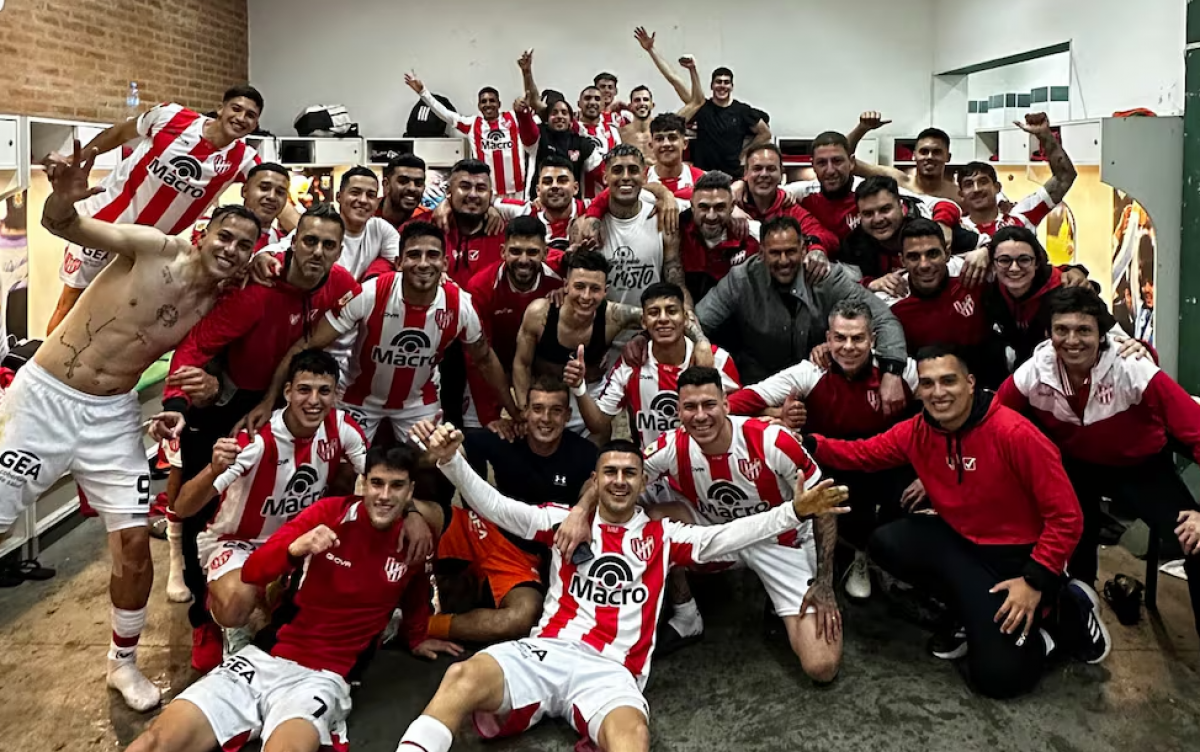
<point>779,318</point>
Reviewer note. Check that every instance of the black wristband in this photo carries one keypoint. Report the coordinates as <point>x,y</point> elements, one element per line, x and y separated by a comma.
<point>175,405</point>
<point>894,367</point>
<point>410,510</point>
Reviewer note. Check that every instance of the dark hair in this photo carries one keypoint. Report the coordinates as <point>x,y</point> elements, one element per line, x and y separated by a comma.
<point>977,168</point>
<point>852,308</point>
<point>322,210</point>
<point>585,261</point>
<point>937,133</point>
<point>756,148</point>
<point>403,457</point>
<point>876,184</point>
<point>268,167</point>
<point>604,76</point>
<point>830,138</point>
<point>935,351</point>
<point>554,98</point>
<point>525,226</point>
<point>421,229</point>
<point>548,384</point>
<point>642,87</point>
<point>662,290</point>
<point>586,88</point>
<point>244,90</point>
<point>471,167</point>
<point>624,150</point>
<point>234,210</point>
<point>487,90</point>
<point>619,446</point>
<point>557,161</point>
<point>1020,235</point>
<point>314,361</point>
<point>403,160</point>
<point>722,71</point>
<point>920,227</point>
<point>714,180</point>
<point>668,121</point>
<point>782,223</point>
<point>357,171</point>
<point>699,376</point>
<point>1083,300</point>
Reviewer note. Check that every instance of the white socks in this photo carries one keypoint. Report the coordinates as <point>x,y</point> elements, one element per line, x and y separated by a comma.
<point>123,675</point>
<point>686,620</point>
<point>426,734</point>
<point>177,591</point>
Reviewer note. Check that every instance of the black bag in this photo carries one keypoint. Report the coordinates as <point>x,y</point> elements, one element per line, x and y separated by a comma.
<point>325,120</point>
<point>422,123</point>
<point>21,354</point>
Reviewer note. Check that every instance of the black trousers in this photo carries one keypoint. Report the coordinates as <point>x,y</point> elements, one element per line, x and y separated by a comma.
<point>204,426</point>
<point>1152,490</point>
<point>452,390</point>
<point>874,501</point>
<point>925,552</point>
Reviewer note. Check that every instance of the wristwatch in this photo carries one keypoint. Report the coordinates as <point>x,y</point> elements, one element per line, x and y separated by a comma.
<point>894,367</point>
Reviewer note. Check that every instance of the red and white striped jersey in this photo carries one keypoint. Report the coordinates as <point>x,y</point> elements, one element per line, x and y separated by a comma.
<point>616,119</point>
<point>605,134</point>
<point>650,392</point>
<point>399,346</point>
<point>276,476</point>
<point>497,143</point>
<point>758,472</point>
<point>556,229</point>
<point>611,602</point>
<point>270,236</point>
<point>681,186</point>
<point>173,175</point>
<point>1028,212</point>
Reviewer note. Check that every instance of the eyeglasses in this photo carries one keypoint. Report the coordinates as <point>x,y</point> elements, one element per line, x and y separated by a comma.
<point>1022,262</point>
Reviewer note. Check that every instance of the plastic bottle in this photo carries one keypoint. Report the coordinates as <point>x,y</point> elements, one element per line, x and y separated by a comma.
<point>133,107</point>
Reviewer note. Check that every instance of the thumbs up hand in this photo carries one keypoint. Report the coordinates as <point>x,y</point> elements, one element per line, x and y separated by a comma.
<point>575,371</point>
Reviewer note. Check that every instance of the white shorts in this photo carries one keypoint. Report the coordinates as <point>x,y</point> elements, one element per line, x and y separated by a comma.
<point>224,557</point>
<point>251,693</point>
<point>48,429</point>
<point>81,265</point>
<point>576,424</point>
<point>559,679</point>
<point>369,418</point>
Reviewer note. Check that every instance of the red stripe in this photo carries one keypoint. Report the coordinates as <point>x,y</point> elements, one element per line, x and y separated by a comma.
<point>402,378</point>
<point>166,195</point>
<point>639,654</point>
<point>449,332</point>
<point>515,137</point>
<point>683,460</point>
<point>215,187</point>
<point>237,742</point>
<point>767,482</point>
<point>718,467</point>
<point>160,142</point>
<point>579,722</point>
<point>608,618</point>
<point>126,642</point>
<point>250,526</point>
<point>568,607</point>
<point>361,388</point>
<point>633,394</point>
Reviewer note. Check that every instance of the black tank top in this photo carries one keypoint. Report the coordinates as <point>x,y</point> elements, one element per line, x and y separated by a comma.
<point>551,350</point>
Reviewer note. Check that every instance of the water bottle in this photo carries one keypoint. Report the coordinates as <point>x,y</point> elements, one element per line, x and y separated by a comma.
<point>133,106</point>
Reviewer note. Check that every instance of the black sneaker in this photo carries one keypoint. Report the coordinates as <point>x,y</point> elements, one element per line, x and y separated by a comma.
<point>948,644</point>
<point>1080,616</point>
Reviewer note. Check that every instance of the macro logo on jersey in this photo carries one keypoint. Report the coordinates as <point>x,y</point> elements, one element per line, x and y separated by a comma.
<point>628,271</point>
<point>728,502</point>
<point>300,493</point>
<point>408,349</point>
<point>178,173</point>
<point>496,140</point>
<point>662,415</point>
<point>609,582</point>
<point>394,569</point>
<point>18,464</point>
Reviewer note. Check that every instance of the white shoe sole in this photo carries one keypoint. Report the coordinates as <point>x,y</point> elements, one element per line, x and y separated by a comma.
<point>1095,599</point>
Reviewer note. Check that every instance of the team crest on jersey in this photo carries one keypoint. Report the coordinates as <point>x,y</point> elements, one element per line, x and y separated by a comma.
<point>71,263</point>
<point>750,468</point>
<point>873,400</point>
<point>573,155</point>
<point>1104,394</point>
<point>346,298</point>
<point>965,307</point>
<point>394,570</point>
<point>443,318</point>
<point>220,164</point>
<point>328,449</point>
<point>643,548</point>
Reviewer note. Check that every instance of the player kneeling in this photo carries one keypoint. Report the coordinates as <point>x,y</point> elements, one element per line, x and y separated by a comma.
<point>589,657</point>
<point>295,697</point>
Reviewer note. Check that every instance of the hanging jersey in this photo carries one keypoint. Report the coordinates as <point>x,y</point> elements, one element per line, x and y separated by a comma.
<point>277,476</point>
<point>758,472</point>
<point>634,248</point>
<point>651,392</point>
<point>398,346</point>
<point>172,176</point>
<point>681,186</point>
<point>1028,213</point>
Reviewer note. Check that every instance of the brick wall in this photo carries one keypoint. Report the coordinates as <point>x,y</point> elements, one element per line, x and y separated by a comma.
<point>75,58</point>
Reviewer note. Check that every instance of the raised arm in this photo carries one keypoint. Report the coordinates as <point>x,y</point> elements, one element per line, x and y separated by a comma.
<point>444,113</point>
<point>646,40</point>
<point>113,137</point>
<point>696,98</point>
<point>881,452</point>
<point>69,184</point>
<point>1062,169</point>
<point>532,323</point>
<point>533,95</point>
<point>867,122</point>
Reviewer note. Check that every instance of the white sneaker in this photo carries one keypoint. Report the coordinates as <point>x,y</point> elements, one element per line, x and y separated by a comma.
<point>139,693</point>
<point>858,578</point>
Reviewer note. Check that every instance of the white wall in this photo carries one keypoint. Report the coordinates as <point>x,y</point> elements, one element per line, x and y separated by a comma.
<point>1125,54</point>
<point>812,64</point>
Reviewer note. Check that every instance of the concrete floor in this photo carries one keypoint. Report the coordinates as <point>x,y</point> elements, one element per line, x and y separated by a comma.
<point>735,691</point>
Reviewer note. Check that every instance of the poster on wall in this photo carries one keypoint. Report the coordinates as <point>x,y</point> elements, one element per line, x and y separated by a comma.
<point>1059,235</point>
<point>14,268</point>
<point>1133,259</point>
<point>313,185</point>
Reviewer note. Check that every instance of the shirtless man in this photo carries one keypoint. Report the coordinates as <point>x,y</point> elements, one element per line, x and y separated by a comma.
<point>932,154</point>
<point>73,408</point>
<point>693,98</point>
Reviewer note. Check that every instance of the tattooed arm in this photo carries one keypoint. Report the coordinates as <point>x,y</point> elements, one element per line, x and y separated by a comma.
<point>619,317</point>
<point>821,595</point>
<point>672,268</point>
<point>1062,170</point>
